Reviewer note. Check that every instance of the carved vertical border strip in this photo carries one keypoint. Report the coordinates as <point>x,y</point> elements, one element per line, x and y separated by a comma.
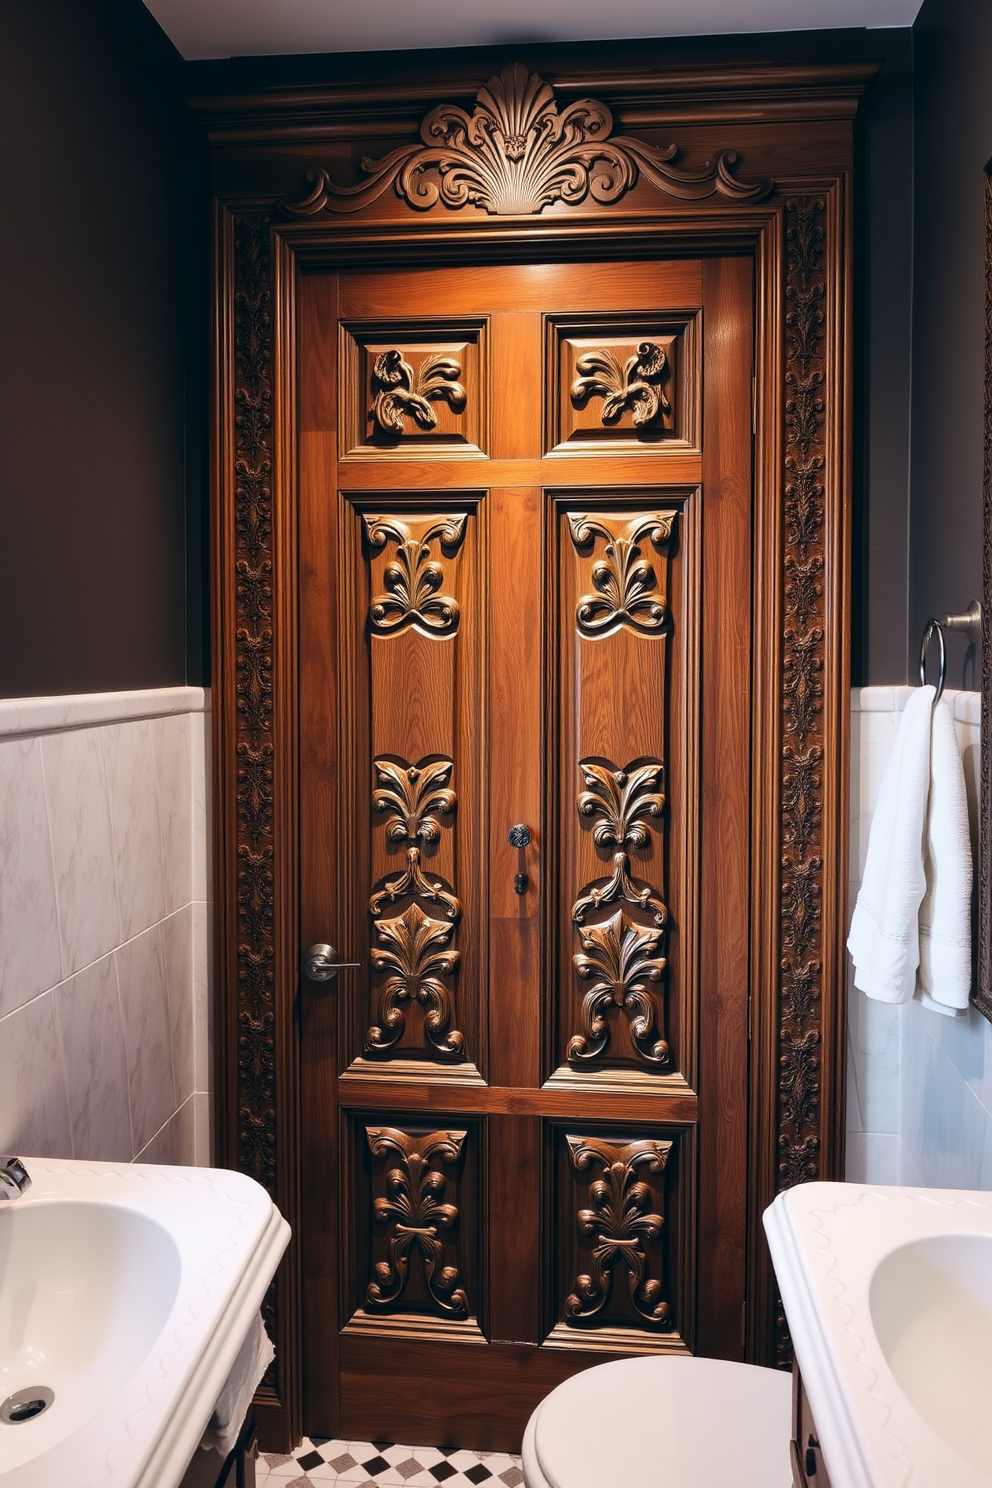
<point>803,662</point>
<point>254,723</point>
<point>251,723</point>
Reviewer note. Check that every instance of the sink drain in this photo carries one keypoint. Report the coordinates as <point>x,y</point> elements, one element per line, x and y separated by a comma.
<point>24,1405</point>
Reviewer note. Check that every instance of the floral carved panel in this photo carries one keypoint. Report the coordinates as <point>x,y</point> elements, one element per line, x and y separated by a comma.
<point>413,578</point>
<point>415,1195</point>
<point>622,383</point>
<point>627,586</point>
<point>415,389</point>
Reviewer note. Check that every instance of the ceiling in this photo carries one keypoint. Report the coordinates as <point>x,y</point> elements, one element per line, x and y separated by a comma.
<point>244,28</point>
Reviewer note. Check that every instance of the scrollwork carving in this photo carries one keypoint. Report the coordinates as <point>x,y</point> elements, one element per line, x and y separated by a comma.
<point>415,797</point>
<point>418,1217</point>
<point>399,393</point>
<point>413,580</point>
<point>623,798</point>
<point>517,153</point>
<point>637,385</point>
<point>626,584</point>
<point>620,886</point>
<point>412,881</point>
<point>621,1225</point>
<point>623,955</point>
<point>414,952</point>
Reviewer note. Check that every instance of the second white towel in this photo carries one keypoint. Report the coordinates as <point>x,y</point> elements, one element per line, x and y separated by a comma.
<point>911,928</point>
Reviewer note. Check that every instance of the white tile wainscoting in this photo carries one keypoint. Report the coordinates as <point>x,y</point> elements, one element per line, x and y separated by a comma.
<point>919,1093</point>
<point>105,917</point>
<point>104,922</point>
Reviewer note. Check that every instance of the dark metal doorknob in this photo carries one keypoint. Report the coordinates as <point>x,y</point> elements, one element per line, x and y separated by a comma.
<point>322,963</point>
<point>519,837</point>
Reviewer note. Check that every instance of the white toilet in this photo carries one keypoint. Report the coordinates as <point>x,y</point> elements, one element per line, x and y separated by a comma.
<point>663,1422</point>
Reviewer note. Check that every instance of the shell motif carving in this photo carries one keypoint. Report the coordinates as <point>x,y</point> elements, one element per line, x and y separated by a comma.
<point>414,578</point>
<point>622,1226</point>
<point>418,1217</point>
<point>517,153</point>
<point>626,584</point>
<point>636,385</point>
<point>400,393</point>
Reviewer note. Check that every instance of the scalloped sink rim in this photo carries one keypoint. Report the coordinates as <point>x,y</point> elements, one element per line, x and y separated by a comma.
<point>837,1248</point>
<point>229,1238</point>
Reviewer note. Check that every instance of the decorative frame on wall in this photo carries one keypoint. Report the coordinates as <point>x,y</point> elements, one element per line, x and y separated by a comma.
<point>769,157</point>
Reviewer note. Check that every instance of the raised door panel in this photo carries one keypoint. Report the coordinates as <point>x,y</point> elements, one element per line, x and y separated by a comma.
<point>412,740</point>
<point>621,774</point>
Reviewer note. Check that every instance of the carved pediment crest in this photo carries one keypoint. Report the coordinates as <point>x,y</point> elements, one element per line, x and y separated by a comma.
<point>517,153</point>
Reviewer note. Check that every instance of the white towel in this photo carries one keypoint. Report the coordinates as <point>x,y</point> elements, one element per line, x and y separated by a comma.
<point>254,1358</point>
<point>943,981</point>
<point>911,928</point>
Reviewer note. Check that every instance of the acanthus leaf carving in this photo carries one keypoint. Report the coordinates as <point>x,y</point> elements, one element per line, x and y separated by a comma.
<point>518,153</point>
<point>255,787</point>
<point>621,1225</point>
<point>419,1218</point>
<point>414,952</point>
<point>415,797</point>
<point>799,1082</point>
<point>626,584</point>
<point>637,385</point>
<point>623,955</point>
<point>414,579</point>
<point>254,684</point>
<point>254,592</point>
<point>256,975</point>
<point>255,890</point>
<point>399,393</point>
<point>623,798</point>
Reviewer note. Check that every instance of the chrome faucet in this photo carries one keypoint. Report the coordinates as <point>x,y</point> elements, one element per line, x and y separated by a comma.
<point>14,1179</point>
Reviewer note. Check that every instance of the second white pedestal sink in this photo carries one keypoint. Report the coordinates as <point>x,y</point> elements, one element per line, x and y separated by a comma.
<point>125,1294</point>
<point>931,1308</point>
<point>888,1294</point>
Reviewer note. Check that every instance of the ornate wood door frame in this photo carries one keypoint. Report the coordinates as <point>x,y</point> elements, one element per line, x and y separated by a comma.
<point>767,157</point>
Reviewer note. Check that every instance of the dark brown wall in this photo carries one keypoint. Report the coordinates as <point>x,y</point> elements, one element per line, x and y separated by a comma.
<point>92,479</point>
<point>953,143</point>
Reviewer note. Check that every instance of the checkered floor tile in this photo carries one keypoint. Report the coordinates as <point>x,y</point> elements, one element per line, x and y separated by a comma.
<point>384,1465</point>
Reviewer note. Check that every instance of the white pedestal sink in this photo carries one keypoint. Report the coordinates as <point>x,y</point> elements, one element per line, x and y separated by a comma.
<point>125,1294</point>
<point>888,1294</point>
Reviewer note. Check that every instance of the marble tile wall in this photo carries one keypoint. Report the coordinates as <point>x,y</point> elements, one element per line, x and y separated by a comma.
<point>919,1107</point>
<point>104,919</point>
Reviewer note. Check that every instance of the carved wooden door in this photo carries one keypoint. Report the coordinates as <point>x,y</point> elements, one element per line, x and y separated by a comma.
<point>526,566</point>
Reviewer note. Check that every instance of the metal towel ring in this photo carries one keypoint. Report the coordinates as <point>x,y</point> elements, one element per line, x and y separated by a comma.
<point>933,627</point>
